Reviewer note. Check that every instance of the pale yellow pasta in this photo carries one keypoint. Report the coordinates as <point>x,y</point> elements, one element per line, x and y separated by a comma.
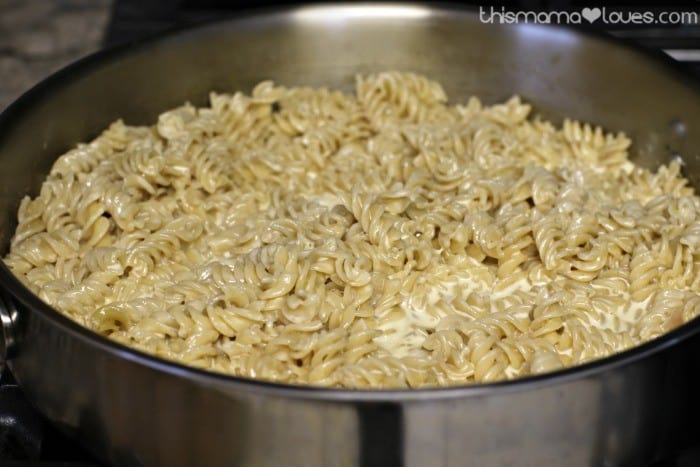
<point>378,239</point>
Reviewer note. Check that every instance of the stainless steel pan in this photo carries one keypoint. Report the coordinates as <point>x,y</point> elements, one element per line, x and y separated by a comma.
<point>132,409</point>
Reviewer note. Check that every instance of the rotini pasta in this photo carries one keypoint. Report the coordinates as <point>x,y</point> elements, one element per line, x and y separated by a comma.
<point>381,239</point>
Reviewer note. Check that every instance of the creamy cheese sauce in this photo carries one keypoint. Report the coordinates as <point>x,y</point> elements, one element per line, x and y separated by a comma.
<point>405,335</point>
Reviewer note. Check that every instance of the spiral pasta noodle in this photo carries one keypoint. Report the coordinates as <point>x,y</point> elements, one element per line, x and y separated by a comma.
<point>380,239</point>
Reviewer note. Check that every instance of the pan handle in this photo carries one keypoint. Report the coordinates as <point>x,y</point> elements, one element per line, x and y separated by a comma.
<point>8,335</point>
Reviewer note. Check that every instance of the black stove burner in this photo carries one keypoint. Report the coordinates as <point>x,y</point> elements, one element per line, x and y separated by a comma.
<point>21,429</point>
<point>27,439</point>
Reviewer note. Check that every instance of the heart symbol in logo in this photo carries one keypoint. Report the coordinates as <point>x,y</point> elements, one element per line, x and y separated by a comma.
<point>591,14</point>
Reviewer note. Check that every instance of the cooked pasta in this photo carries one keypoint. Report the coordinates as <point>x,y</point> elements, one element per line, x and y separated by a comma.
<point>375,240</point>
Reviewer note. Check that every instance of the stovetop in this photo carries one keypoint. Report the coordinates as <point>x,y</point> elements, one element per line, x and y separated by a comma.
<point>26,438</point>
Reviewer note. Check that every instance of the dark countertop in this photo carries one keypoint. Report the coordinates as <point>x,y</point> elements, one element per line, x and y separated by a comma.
<point>38,37</point>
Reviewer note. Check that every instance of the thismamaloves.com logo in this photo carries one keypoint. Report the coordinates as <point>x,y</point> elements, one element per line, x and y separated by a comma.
<point>587,15</point>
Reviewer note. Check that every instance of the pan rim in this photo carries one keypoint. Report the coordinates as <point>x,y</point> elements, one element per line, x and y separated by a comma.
<point>33,304</point>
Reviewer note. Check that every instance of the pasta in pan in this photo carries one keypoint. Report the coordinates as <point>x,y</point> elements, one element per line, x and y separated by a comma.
<point>381,239</point>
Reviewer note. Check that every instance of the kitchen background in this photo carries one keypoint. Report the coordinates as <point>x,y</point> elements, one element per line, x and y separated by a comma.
<point>38,37</point>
